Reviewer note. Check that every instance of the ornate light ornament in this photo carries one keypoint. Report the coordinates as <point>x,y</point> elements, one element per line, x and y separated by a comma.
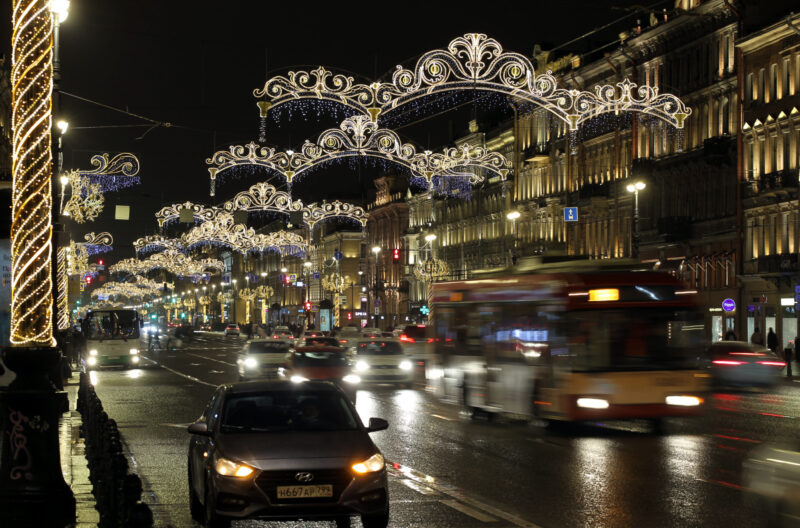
<point>87,186</point>
<point>95,243</point>
<point>135,288</point>
<point>264,196</point>
<point>62,301</point>
<point>247,294</point>
<point>156,243</point>
<point>286,242</point>
<point>86,201</point>
<point>472,62</point>
<point>189,303</point>
<point>264,292</point>
<point>431,270</point>
<point>224,231</point>
<point>337,284</point>
<point>204,300</point>
<point>171,260</point>
<point>357,136</point>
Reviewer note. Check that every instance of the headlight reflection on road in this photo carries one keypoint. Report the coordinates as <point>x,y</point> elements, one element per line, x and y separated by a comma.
<point>595,477</point>
<point>367,406</point>
<point>93,377</point>
<point>135,373</point>
<point>683,455</point>
<point>409,403</point>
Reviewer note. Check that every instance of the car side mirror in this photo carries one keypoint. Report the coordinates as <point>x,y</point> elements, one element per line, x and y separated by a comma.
<point>377,424</point>
<point>199,428</point>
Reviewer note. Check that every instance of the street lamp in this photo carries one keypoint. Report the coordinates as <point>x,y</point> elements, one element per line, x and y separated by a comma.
<point>233,285</point>
<point>283,296</point>
<point>306,269</point>
<point>376,250</point>
<point>635,188</point>
<point>513,216</point>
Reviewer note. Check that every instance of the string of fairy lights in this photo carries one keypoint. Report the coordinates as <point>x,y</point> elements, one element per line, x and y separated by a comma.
<point>31,223</point>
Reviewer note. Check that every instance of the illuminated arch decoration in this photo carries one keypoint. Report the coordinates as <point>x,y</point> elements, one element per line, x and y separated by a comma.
<point>260,197</point>
<point>287,243</point>
<point>357,136</point>
<point>95,243</point>
<point>156,243</point>
<point>172,261</point>
<point>471,62</point>
<point>238,237</point>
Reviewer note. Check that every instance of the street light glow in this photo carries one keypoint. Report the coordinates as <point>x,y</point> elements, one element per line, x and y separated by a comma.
<point>376,250</point>
<point>307,264</point>
<point>513,215</point>
<point>430,238</point>
<point>62,126</point>
<point>64,180</point>
<point>284,270</point>
<point>60,8</point>
<point>637,186</point>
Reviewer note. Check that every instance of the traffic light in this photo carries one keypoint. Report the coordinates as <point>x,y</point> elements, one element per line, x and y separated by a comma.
<point>88,279</point>
<point>349,316</point>
<point>396,255</point>
<point>308,306</point>
<point>100,262</point>
<point>287,279</point>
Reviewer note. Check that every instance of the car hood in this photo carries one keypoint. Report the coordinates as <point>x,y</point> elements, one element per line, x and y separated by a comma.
<point>262,449</point>
<point>322,373</point>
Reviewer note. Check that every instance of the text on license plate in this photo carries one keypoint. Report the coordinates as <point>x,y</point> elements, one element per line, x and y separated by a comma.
<point>303,492</point>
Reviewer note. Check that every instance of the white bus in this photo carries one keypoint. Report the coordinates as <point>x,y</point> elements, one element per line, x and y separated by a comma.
<point>112,338</point>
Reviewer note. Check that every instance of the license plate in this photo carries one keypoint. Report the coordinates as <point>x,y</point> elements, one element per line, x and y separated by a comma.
<point>112,357</point>
<point>304,492</point>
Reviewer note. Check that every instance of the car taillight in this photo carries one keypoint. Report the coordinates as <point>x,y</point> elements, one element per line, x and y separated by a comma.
<point>407,339</point>
<point>430,340</point>
<point>727,362</point>
<point>772,363</point>
<point>343,340</point>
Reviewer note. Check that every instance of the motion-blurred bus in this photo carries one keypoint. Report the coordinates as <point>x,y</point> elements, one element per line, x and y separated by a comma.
<point>112,338</point>
<point>570,340</point>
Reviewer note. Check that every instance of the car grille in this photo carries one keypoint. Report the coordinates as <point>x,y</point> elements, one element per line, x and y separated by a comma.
<point>268,481</point>
<point>385,366</point>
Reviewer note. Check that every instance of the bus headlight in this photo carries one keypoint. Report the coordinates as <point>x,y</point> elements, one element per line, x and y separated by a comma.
<point>370,465</point>
<point>361,365</point>
<point>250,362</point>
<point>352,378</point>
<point>134,351</point>
<point>134,359</point>
<point>684,401</point>
<point>92,361</point>
<point>405,365</point>
<point>592,403</point>
<point>93,352</point>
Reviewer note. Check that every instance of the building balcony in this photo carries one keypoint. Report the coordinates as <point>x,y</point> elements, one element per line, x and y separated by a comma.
<point>786,263</point>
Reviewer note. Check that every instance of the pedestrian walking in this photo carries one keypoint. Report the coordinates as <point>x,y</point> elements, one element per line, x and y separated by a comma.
<point>730,335</point>
<point>788,352</point>
<point>756,338</point>
<point>772,340</point>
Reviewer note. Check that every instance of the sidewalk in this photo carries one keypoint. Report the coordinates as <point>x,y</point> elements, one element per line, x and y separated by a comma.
<point>74,465</point>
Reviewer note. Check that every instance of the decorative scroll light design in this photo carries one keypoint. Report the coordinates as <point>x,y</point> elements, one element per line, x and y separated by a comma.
<point>31,223</point>
<point>112,174</point>
<point>171,260</point>
<point>95,243</point>
<point>189,302</point>
<point>224,231</point>
<point>204,300</point>
<point>224,297</point>
<point>286,242</point>
<point>472,62</point>
<point>77,254</point>
<point>156,243</point>
<point>247,294</point>
<point>431,270</point>
<point>263,197</point>
<point>357,136</point>
<point>264,292</point>
<point>86,201</point>
<point>136,288</point>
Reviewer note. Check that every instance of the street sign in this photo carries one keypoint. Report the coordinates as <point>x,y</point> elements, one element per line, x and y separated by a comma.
<point>316,275</point>
<point>293,277</point>
<point>338,255</point>
<point>377,302</point>
<point>729,305</point>
<point>343,299</point>
<point>570,214</point>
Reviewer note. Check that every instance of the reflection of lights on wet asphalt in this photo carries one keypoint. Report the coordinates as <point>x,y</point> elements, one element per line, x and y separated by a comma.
<point>684,454</point>
<point>366,405</point>
<point>593,468</point>
<point>93,379</point>
<point>135,373</point>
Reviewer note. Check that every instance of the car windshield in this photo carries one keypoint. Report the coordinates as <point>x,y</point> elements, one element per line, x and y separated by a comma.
<point>379,348</point>
<point>112,324</point>
<point>288,411</point>
<point>269,347</point>
<point>320,358</point>
<point>322,341</point>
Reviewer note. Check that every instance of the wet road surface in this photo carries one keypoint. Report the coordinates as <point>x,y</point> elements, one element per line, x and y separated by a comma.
<point>451,471</point>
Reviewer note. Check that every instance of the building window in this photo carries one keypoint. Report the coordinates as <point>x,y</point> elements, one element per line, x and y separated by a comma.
<point>748,88</point>
<point>761,85</point>
<point>787,73</point>
<point>773,83</point>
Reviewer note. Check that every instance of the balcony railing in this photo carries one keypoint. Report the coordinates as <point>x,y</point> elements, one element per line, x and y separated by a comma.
<point>786,263</point>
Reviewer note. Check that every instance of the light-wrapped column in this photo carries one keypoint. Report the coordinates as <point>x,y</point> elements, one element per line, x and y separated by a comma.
<point>31,224</point>
<point>63,285</point>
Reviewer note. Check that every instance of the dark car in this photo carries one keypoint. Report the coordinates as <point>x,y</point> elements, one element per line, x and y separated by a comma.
<point>325,364</point>
<point>282,450</point>
<point>736,363</point>
<point>318,340</point>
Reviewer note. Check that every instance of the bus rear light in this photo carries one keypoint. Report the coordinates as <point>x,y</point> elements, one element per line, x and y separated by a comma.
<point>772,363</point>
<point>605,294</point>
<point>727,362</point>
<point>404,338</point>
<point>684,401</point>
<point>592,403</point>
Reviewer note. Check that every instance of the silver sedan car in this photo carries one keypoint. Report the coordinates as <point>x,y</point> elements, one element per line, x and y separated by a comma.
<point>283,450</point>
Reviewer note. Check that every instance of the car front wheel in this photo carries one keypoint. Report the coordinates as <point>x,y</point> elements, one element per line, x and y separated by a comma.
<point>195,507</point>
<point>212,520</point>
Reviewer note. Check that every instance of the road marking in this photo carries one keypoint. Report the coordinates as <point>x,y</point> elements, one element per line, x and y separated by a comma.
<point>216,372</point>
<point>195,364</point>
<point>212,359</point>
<point>186,376</point>
<point>442,417</point>
<point>466,510</point>
<point>398,469</point>
<point>177,426</point>
<point>419,488</point>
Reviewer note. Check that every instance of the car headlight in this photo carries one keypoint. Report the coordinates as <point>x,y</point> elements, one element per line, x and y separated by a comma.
<point>352,378</point>
<point>134,351</point>
<point>92,361</point>
<point>298,379</point>
<point>93,352</point>
<point>370,465</point>
<point>361,365</point>
<point>405,365</point>
<point>229,468</point>
<point>135,359</point>
<point>250,362</point>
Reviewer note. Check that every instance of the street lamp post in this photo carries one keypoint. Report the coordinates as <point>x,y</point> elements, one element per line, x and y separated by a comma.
<point>306,269</point>
<point>513,216</point>
<point>635,188</point>
<point>283,296</point>
<point>376,250</point>
<point>233,287</point>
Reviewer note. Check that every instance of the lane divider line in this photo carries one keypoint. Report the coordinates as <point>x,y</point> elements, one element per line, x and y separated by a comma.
<point>466,510</point>
<point>181,374</point>
<point>416,486</point>
<point>398,470</point>
<point>211,359</point>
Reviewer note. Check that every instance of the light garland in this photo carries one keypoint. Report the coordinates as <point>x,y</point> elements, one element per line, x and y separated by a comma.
<point>112,174</point>
<point>477,63</point>
<point>156,243</point>
<point>238,237</point>
<point>31,205</point>
<point>431,270</point>
<point>62,280</point>
<point>171,260</point>
<point>264,292</point>
<point>259,197</point>
<point>357,136</point>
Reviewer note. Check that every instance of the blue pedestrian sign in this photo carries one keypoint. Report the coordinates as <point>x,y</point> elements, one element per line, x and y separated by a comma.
<point>570,214</point>
<point>338,255</point>
<point>316,275</point>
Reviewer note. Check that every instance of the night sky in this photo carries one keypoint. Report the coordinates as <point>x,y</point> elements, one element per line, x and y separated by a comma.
<point>195,65</point>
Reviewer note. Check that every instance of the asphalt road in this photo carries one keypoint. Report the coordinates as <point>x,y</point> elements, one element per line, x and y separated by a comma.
<point>452,471</point>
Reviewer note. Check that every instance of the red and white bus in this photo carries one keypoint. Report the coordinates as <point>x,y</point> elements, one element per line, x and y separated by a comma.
<point>572,341</point>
